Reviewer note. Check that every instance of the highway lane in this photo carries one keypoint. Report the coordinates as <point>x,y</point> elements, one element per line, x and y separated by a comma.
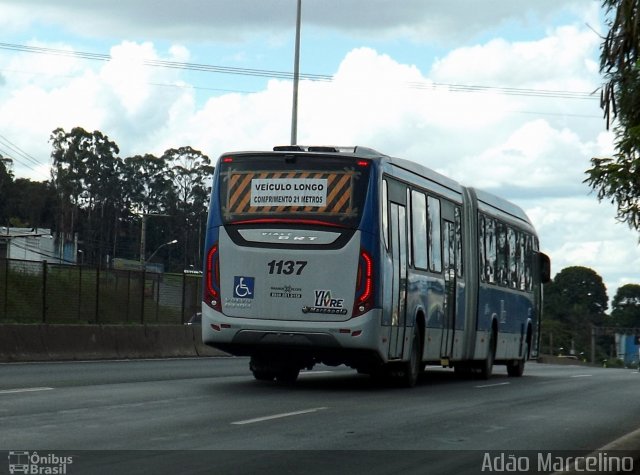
<point>214,404</point>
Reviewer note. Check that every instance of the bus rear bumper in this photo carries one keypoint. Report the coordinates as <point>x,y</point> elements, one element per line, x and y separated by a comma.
<point>328,342</point>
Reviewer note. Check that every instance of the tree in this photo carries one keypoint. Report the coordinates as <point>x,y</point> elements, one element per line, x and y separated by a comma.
<point>618,178</point>
<point>626,306</point>
<point>150,186</point>
<point>31,204</point>
<point>576,299</point>
<point>101,197</point>
<point>190,174</point>
<point>6,185</point>
<point>86,176</point>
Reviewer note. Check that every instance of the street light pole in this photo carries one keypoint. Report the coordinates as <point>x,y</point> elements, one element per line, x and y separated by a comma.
<point>296,79</point>
<point>143,233</point>
<point>160,247</point>
<point>143,237</point>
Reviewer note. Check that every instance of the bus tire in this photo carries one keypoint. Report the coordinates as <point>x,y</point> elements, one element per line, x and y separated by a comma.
<point>262,375</point>
<point>515,368</point>
<point>486,366</point>
<point>261,369</point>
<point>287,375</point>
<point>412,368</point>
<point>380,375</point>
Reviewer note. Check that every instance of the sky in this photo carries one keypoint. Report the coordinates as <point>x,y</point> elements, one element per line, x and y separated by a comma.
<point>501,95</point>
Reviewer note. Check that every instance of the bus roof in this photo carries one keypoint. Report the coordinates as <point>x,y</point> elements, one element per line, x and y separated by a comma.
<point>357,150</point>
<point>485,198</point>
<point>426,172</point>
<point>490,200</point>
<point>366,152</point>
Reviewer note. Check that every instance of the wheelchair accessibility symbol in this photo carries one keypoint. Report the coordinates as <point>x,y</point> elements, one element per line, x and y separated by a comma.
<point>243,287</point>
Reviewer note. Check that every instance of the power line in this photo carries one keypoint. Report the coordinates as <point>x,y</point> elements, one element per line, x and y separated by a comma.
<point>18,161</point>
<point>510,91</point>
<point>167,64</point>
<point>28,161</point>
<point>18,151</point>
<point>558,94</point>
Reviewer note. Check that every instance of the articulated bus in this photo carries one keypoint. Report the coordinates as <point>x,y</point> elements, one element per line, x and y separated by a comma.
<point>347,256</point>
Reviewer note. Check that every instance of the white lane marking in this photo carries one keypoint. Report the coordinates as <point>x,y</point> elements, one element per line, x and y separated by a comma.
<point>581,376</point>
<point>279,416</point>
<point>23,390</point>
<point>492,385</point>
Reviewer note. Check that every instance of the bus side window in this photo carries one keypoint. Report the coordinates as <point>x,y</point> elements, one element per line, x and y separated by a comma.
<point>419,229</point>
<point>449,244</point>
<point>385,214</point>
<point>482,241</point>
<point>435,236</point>
<point>408,227</point>
<point>522,238</point>
<point>502,266</point>
<point>490,249</point>
<point>528,268</point>
<point>458,242</point>
<point>512,278</point>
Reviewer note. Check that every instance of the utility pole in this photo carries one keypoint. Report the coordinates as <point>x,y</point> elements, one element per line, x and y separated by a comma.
<point>143,237</point>
<point>143,234</point>
<point>296,79</point>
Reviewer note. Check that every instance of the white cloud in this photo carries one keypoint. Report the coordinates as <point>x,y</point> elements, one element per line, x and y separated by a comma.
<point>561,61</point>
<point>535,156</point>
<point>529,149</point>
<point>239,19</point>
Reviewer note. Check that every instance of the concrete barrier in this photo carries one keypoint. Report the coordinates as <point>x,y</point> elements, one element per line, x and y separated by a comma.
<point>85,342</point>
<point>132,342</point>
<point>201,348</point>
<point>549,359</point>
<point>65,342</point>
<point>22,343</point>
<point>172,341</point>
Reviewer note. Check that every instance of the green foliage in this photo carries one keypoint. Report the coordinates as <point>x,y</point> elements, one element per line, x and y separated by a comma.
<point>6,183</point>
<point>577,294</point>
<point>70,294</point>
<point>101,197</point>
<point>613,363</point>
<point>626,306</point>
<point>574,300</point>
<point>189,172</point>
<point>24,203</point>
<point>618,178</point>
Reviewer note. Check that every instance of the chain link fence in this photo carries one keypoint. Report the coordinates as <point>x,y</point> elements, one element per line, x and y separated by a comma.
<point>42,292</point>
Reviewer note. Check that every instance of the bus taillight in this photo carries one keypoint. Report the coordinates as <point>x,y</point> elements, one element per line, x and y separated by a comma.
<point>364,284</point>
<point>212,279</point>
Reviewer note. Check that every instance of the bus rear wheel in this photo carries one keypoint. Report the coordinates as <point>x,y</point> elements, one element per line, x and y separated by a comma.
<point>287,375</point>
<point>262,375</point>
<point>486,366</point>
<point>515,368</point>
<point>261,369</point>
<point>413,367</point>
<point>269,367</point>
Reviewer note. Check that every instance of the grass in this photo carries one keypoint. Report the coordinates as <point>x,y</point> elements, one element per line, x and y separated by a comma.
<point>73,294</point>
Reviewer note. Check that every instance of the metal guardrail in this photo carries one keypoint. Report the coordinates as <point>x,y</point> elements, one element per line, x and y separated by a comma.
<point>45,292</point>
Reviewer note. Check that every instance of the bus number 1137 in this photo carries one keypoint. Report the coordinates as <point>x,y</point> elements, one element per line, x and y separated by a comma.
<point>286,267</point>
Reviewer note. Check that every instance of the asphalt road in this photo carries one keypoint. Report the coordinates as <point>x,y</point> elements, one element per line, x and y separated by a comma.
<point>208,415</point>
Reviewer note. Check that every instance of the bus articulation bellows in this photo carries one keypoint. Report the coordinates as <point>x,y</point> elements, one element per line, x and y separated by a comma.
<point>347,256</point>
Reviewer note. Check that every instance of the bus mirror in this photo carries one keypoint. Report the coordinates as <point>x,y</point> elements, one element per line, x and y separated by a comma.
<point>545,268</point>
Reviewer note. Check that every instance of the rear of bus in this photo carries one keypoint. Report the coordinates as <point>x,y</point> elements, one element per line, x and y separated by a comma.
<point>291,260</point>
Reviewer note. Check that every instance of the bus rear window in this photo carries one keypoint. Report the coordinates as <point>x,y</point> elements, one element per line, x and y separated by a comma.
<point>306,188</point>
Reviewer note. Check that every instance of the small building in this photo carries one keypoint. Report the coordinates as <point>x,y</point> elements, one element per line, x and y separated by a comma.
<point>36,244</point>
<point>628,348</point>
